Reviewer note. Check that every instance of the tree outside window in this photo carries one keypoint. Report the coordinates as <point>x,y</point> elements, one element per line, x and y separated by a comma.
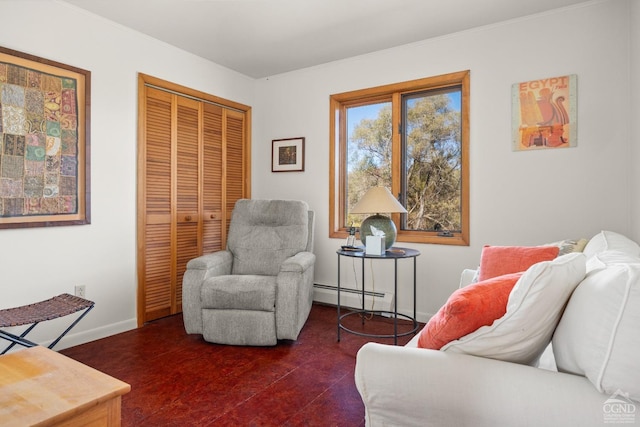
<point>412,138</point>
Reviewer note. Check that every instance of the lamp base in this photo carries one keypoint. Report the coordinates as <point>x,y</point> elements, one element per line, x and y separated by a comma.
<point>382,223</point>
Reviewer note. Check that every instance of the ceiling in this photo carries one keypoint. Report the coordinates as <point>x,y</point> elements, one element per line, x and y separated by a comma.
<point>261,38</point>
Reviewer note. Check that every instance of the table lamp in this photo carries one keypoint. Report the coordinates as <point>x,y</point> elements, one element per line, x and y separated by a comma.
<point>378,200</point>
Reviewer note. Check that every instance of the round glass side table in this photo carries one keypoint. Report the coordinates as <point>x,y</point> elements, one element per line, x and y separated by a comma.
<point>393,254</point>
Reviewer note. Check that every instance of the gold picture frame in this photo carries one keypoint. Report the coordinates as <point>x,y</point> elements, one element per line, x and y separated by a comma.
<point>44,142</point>
<point>287,155</point>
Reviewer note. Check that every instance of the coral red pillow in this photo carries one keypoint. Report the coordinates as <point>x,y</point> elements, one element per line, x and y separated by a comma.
<point>467,309</point>
<point>498,260</point>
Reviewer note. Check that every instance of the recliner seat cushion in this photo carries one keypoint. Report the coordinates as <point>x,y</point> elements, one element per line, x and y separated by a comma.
<point>243,292</point>
<point>263,233</point>
<point>239,327</point>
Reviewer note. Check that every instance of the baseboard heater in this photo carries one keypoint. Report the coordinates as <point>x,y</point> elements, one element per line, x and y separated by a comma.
<point>350,297</point>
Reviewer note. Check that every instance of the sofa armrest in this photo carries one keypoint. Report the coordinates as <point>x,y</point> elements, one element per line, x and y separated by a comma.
<point>198,270</point>
<point>419,387</point>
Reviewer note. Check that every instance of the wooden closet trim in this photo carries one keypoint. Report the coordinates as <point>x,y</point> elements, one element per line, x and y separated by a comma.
<point>175,89</point>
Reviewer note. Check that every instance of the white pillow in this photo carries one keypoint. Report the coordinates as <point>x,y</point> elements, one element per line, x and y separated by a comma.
<point>598,335</point>
<point>603,259</point>
<point>610,240</point>
<point>533,311</point>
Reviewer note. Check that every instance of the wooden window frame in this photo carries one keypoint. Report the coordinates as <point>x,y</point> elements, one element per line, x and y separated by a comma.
<point>338,103</point>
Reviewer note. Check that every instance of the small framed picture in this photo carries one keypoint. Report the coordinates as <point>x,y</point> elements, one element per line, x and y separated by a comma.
<point>287,155</point>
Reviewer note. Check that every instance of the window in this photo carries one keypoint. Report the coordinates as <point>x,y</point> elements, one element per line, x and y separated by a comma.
<point>413,138</point>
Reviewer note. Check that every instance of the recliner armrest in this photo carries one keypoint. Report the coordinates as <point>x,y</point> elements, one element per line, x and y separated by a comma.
<point>295,294</point>
<point>298,263</point>
<point>198,270</point>
<point>219,263</point>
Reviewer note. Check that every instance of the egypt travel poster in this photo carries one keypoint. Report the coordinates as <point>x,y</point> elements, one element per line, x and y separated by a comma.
<point>544,113</point>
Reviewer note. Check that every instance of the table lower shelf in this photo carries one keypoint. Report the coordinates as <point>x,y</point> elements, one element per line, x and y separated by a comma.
<point>391,316</point>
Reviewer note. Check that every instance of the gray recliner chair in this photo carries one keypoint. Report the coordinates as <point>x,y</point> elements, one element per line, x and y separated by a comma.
<point>260,289</point>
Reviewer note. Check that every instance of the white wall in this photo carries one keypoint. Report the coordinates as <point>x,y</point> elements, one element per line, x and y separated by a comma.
<point>38,263</point>
<point>516,197</point>
<point>634,118</point>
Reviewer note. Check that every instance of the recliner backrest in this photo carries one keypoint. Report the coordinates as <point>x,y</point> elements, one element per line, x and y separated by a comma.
<point>263,233</point>
<point>310,229</point>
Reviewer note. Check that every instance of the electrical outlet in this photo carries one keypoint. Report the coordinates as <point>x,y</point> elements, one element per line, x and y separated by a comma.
<point>81,291</point>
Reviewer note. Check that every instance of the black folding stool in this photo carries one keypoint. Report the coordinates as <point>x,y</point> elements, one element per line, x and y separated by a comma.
<point>60,306</point>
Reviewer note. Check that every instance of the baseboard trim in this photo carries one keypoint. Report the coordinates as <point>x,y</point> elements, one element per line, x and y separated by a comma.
<point>326,294</point>
<point>74,339</point>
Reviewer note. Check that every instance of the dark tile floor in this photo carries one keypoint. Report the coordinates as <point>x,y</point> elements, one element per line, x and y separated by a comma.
<point>180,380</point>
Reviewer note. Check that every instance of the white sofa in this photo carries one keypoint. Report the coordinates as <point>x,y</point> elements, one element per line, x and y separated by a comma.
<point>596,346</point>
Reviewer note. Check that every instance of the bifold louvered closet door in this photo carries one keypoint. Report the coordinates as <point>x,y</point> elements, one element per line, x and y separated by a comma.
<point>193,164</point>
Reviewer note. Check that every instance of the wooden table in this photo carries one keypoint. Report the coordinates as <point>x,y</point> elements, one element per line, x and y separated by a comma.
<point>40,387</point>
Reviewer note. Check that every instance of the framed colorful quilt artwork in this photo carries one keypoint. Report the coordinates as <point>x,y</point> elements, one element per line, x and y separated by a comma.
<point>44,142</point>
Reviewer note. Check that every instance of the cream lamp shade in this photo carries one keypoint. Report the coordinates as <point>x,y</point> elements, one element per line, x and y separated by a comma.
<point>378,200</point>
